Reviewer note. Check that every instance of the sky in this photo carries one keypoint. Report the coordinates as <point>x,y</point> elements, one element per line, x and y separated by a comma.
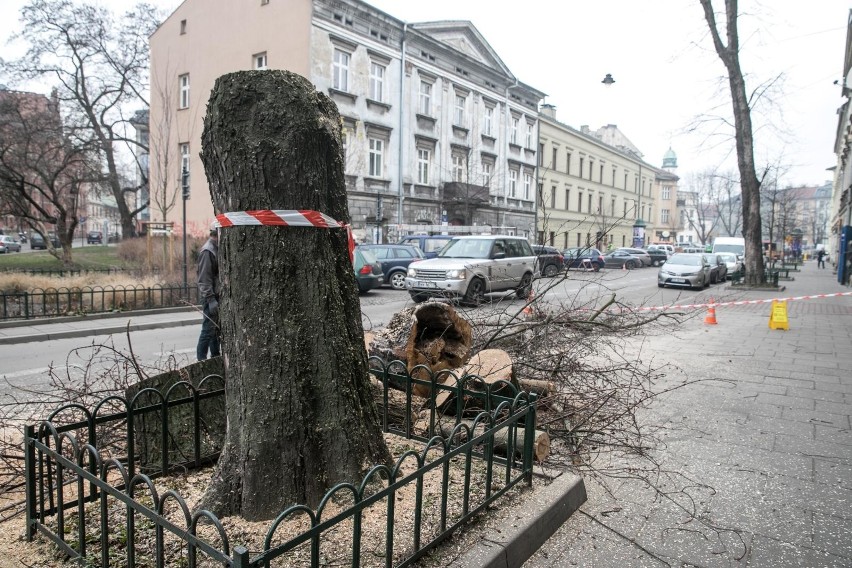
<point>670,88</point>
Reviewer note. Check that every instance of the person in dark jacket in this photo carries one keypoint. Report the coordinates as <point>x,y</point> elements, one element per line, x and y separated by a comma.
<point>208,294</point>
<point>821,258</point>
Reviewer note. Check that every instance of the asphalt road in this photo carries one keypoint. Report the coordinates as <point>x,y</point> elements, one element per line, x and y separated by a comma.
<point>28,365</point>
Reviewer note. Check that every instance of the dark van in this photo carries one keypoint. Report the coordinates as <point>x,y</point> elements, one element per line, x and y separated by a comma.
<point>429,244</point>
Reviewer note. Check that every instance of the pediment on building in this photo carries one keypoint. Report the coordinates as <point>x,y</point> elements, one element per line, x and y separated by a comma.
<point>463,37</point>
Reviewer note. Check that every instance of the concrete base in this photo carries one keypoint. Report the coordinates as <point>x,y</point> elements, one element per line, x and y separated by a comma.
<point>528,528</point>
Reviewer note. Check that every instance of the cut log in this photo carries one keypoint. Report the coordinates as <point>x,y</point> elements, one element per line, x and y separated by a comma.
<point>544,389</point>
<point>396,404</point>
<point>541,443</point>
<point>491,366</point>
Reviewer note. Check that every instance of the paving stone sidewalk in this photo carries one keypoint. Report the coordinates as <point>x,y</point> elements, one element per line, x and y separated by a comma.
<point>756,459</point>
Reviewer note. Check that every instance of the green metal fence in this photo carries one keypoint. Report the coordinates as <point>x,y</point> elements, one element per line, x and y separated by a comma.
<point>53,302</point>
<point>67,471</point>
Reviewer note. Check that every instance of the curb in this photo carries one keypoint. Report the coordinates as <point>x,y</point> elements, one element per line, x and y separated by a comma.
<point>521,536</point>
<point>109,330</point>
<point>94,316</point>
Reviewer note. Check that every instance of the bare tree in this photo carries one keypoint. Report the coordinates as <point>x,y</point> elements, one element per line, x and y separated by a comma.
<point>728,51</point>
<point>43,172</point>
<point>703,199</point>
<point>99,64</point>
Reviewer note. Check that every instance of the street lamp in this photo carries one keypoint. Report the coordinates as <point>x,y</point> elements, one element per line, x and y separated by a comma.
<point>185,191</point>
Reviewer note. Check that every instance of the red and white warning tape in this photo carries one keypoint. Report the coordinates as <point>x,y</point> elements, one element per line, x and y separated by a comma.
<point>743,302</point>
<point>285,218</point>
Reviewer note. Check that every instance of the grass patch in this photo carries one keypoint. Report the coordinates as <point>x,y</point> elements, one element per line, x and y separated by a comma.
<point>90,257</point>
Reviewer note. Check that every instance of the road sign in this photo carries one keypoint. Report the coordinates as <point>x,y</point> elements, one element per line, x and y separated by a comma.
<point>82,219</point>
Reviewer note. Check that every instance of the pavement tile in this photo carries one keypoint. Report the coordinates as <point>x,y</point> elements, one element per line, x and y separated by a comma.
<point>834,435</point>
<point>816,394</point>
<point>789,382</point>
<point>780,426</point>
<point>827,499</point>
<point>813,448</point>
<point>835,407</point>
<point>786,401</point>
<point>816,417</point>
<point>771,553</point>
<point>771,463</point>
<point>833,535</point>
<point>833,473</point>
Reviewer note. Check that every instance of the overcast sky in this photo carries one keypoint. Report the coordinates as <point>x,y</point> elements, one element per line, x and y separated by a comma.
<point>667,76</point>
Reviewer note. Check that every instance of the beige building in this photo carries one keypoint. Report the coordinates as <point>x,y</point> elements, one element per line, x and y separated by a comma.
<point>438,133</point>
<point>594,187</point>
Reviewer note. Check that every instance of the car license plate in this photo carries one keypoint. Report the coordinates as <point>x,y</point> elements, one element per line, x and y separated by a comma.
<point>679,280</point>
<point>424,284</point>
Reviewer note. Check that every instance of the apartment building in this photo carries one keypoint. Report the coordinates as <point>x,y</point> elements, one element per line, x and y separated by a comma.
<point>437,132</point>
<point>594,187</point>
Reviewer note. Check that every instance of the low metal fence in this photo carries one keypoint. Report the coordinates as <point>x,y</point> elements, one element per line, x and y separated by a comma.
<point>67,473</point>
<point>65,272</point>
<point>54,302</point>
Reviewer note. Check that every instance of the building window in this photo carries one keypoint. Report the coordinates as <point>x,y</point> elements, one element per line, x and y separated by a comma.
<point>568,163</point>
<point>541,154</point>
<point>600,205</point>
<point>377,151</point>
<point>553,197</point>
<point>580,202</point>
<point>259,60</point>
<point>377,82</point>
<point>459,167</point>
<point>529,135</point>
<point>488,126</point>
<point>184,161</point>
<point>423,161</point>
<point>425,98</point>
<point>612,207</point>
<point>666,193</point>
<point>553,158</point>
<point>486,173</point>
<point>514,137</point>
<point>613,177</point>
<point>664,216</point>
<point>625,180</point>
<point>459,111</point>
<point>591,168</point>
<point>527,186</point>
<point>513,183</point>
<point>183,82</point>
<point>340,71</point>
<point>582,160</point>
<point>589,209</point>
<point>567,199</point>
<point>182,27</point>
<point>600,176</point>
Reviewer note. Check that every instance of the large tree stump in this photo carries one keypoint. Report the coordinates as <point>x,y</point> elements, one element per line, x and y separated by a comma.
<point>300,411</point>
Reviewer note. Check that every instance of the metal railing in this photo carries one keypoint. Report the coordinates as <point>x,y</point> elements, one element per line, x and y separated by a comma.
<point>54,302</point>
<point>67,472</point>
<point>65,272</point>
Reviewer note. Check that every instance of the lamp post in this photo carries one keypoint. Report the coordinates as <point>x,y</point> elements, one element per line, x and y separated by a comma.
<point>185,191</point>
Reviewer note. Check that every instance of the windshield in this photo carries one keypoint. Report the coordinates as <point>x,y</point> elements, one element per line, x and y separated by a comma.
<point>685,260</point>
<point>466,248</point>
<point>736,249</point>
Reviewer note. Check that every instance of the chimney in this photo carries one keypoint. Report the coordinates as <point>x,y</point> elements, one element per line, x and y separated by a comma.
<point>585,129</point>
<point>548,110</point>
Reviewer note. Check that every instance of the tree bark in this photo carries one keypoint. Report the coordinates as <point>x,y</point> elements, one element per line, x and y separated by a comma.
<point>301,415</point>
<point>743,132</point>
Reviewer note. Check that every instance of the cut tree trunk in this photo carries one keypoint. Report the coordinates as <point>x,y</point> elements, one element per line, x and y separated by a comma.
<point>541,441</point>
<point>301,415</point>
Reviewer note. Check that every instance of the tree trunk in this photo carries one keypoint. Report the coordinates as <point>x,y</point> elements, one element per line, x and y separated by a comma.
<point>749,184</point>
<point>301,416</point>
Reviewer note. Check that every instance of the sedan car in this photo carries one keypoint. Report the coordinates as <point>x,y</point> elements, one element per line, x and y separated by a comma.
<point>9,244</point>
<point>689,270</point>
<point>583,257</point>
<point>732,262</point>
<point>621,259</point>
<point>368,271</point>
<point>641,254</point>
<point>718,268</point>
<point>395,260</point>
<point>658,256</point>
<point>550,260</point>
<point>95,238</point>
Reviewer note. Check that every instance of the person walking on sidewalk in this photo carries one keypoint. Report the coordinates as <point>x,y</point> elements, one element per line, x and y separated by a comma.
<point>208,293</point>
<point>821,259</point>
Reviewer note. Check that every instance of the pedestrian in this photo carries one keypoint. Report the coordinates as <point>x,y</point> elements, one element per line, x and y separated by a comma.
<point>208,294</point>
<point>821,258</point>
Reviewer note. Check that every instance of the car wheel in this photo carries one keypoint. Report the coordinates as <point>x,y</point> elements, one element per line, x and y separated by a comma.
<point>397,280</point>
<point>660,285</point>
<point>475,292</point>
<point>630,265</point>
<point>596,266</point>
<point>550,270</point>
<point>524,289</point>
<point>418,298</point>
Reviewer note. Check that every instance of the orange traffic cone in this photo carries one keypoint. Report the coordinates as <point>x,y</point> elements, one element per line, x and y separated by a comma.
<point>710,318</point>
<point>624,267</point>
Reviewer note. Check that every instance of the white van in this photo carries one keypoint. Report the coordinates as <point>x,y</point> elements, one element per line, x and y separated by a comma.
<point>735,245</point>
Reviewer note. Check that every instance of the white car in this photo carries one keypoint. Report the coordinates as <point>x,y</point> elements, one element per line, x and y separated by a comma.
<point>732,261</point>
<point>469,267</point>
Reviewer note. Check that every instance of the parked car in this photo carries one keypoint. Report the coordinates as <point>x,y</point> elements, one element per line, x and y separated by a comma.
<point>583,257</point>
<point>690,270</point>
<point>395,260</point>
<point>621,259</point>
<point>732,262</point>
<point>658,256</point>
<point>429,244</point>
<point>641,254</point>
<point>550,260</point>
<point>368,271</point>
<point>95,238</point>
<point>37,241</point>
<point>718,268</point>
<point>470,267</point>
<point>670,250</point>
<point>9,244</point>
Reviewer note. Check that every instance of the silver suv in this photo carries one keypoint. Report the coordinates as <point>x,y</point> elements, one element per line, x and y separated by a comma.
<point>469,267</point>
